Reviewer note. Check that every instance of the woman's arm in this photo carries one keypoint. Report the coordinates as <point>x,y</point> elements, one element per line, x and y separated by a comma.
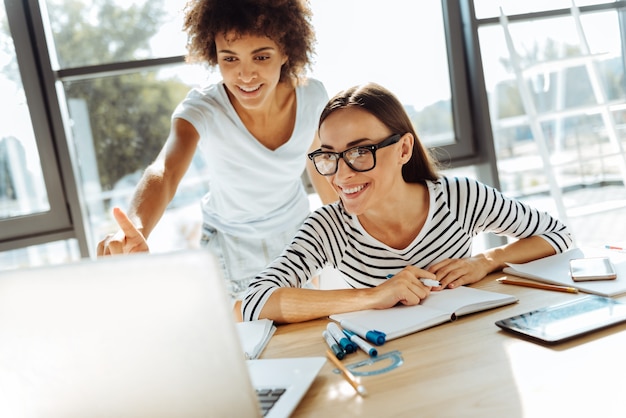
<point>160,181</point>
<point>458,272</point>
<point>522,251</point>
<point>296,304</point>
<point>537,233</point>
<point>157,187</point>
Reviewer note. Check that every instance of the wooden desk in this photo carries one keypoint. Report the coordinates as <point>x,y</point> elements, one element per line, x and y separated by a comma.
<point>471,368</point>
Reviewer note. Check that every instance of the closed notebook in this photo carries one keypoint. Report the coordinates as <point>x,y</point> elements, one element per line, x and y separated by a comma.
<point>555,269</point>
<point>439,307</point>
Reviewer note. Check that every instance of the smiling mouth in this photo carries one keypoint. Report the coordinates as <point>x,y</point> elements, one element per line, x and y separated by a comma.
<point>352,190</point>
<point>249,89</point>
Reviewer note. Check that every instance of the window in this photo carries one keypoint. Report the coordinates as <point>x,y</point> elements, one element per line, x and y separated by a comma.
<point>120,90</point>
<point>22,187</point>
<point>491,8</point>
<point>33,204</point>
<point>359,41</point>
<point>89,34</point>
<point>557,98</point>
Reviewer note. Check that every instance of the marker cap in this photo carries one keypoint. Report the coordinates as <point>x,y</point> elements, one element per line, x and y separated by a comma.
<point>337,333</point>
<point>339,352</point>
<point>347,345</point>
<point>376,337</point>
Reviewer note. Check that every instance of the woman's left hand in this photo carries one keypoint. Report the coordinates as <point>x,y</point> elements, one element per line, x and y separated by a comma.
<point>457,272</point>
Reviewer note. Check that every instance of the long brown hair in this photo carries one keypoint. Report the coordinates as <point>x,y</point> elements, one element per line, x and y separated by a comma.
<point>385,106</point>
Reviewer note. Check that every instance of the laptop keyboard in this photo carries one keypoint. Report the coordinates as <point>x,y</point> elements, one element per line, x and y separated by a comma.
<point>268,397</point>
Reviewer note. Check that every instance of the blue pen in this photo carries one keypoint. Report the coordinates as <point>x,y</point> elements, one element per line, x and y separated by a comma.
<point>338,335</point>
<point>371,335</point>
<point>361,343</point>
<point>339,352</point>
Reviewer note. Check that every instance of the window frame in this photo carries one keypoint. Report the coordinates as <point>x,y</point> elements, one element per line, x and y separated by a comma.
<point>465,149</point>
<point>60,221</point>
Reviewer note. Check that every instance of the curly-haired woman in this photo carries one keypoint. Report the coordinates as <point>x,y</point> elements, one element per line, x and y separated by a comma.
<point>254,129</point>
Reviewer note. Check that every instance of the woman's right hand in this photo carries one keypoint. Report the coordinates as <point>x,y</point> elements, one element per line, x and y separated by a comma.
<point>125,241</point>
<point>405,288</point>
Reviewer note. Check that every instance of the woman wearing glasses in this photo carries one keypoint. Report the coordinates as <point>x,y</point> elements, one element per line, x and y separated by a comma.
<point>397,220</point>
<point>253,129</point>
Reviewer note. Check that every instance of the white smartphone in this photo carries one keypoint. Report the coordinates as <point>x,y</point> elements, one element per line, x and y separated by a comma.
<point>591,268</point>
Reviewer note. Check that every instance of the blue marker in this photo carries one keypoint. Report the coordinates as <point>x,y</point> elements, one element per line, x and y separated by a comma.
<point>339,352</point>
<point>338,335</point>
<point>371,335</point>
<point>361,343</point>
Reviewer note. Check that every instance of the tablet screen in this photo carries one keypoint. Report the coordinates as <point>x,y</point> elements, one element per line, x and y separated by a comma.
<point>566,320</point>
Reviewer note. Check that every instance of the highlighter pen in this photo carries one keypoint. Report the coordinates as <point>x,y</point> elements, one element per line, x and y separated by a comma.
<point>339,352</point>
<point>361,343</point>
<point>371,335</point>
<point>345,343</point>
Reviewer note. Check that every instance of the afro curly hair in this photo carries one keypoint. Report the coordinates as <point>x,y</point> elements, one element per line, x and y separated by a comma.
<point>286,22</point>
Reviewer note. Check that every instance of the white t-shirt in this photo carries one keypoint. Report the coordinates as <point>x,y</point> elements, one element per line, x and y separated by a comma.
<point>254,191</point>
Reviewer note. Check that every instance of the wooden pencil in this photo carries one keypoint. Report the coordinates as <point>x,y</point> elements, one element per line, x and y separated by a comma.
<point>360,389</point>
<point>538,285</point>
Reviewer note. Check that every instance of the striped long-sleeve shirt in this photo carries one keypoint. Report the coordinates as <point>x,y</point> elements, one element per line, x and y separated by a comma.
<point>460,209</point>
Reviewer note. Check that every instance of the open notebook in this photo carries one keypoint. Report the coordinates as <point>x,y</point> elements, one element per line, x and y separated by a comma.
<point>133,336</point>
<point>439,307</point>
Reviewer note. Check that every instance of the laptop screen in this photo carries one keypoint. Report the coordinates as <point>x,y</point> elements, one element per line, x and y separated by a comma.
<point>148,335</point>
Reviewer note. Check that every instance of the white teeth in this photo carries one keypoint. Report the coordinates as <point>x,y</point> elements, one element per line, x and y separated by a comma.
<point>353,189</point>
<point>249,89</point>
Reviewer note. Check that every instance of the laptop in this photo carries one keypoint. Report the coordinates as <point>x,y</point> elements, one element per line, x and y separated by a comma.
<point>146,335</point>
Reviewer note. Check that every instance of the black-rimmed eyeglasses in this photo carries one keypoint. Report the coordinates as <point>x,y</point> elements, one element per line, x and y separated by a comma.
<point>361,158</point>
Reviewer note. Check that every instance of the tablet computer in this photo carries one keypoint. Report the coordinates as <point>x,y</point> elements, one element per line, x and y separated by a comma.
<point>557,323</point>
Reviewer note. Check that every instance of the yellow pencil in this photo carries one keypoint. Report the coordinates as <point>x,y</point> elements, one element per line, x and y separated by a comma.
<point>539,285</point>
<point>360,389</point>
